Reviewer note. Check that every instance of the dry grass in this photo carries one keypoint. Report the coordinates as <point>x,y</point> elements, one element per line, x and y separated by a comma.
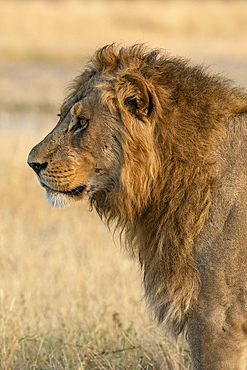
<point>68,298</point>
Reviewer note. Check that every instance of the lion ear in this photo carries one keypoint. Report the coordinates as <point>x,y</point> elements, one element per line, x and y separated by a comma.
<point>137,96</point>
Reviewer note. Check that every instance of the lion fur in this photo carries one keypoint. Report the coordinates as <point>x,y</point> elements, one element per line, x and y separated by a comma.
<point>174,116</point>
<point>167,180</point>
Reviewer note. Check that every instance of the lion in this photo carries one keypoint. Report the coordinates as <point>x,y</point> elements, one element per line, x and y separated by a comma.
<point>158,147</point>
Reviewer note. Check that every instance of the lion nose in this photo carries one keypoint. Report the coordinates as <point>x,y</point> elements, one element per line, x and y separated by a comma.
<point>37,167</point>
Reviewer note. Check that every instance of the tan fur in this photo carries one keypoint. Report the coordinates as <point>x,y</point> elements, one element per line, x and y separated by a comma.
<point>151,160</point>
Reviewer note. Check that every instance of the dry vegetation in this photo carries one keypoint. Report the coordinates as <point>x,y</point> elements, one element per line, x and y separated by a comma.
<point>68,298</point>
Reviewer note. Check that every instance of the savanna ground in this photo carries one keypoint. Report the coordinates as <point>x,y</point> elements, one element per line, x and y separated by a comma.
<point>69,298</point>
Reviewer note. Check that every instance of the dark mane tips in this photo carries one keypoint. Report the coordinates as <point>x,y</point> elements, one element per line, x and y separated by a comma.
<point>111,57</point>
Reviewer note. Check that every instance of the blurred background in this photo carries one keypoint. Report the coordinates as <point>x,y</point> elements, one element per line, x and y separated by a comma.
<point>68,297</point>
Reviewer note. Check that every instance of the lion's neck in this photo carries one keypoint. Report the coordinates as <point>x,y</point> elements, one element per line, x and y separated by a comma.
<point>161,232</point>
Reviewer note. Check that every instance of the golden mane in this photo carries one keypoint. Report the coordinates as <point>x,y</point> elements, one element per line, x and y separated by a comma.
<point>167,177</point>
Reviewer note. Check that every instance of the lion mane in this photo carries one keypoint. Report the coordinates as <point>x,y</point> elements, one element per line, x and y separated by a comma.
<point>167,178</point>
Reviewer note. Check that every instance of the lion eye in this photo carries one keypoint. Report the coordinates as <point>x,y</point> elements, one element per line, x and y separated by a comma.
<point>81,123</point>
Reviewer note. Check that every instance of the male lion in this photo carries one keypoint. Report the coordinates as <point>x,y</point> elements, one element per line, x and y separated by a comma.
<point>159,148</point>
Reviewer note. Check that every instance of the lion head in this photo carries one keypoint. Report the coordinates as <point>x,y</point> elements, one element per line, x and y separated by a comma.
<point>79,156</point>
<point>136,136</point>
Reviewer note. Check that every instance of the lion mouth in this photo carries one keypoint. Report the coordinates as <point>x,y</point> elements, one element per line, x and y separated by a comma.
<point>72,193</point>
<point>76,191</point>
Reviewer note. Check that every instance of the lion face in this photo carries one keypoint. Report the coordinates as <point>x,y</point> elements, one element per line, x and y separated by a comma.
<point>101,143</point>
<point>81,155</point>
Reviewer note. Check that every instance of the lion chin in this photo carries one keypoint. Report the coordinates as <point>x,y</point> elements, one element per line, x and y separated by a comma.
<point>57,200</point>
<point>62,200</point>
